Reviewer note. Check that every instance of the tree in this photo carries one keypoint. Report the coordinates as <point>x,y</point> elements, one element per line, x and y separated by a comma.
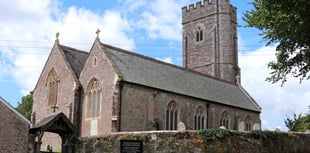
<point>25,107</point>
<point>298,123</point>
<point>286,23</point>
<point>293,124</point>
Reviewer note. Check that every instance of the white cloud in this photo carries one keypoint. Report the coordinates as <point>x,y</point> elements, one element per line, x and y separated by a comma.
<point>28,31</point>
<point>166,59</point>
<point>161,19</point>
<point>277,102</point>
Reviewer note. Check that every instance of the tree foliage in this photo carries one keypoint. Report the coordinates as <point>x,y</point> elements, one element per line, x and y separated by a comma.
<point>298,123</point>
<point>286,23</point>
<point>25,107</point>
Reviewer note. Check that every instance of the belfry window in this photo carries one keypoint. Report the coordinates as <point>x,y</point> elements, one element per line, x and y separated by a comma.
<point>52,88</point>
<point>248,124</point>
<point>93,99</point>
<point>199,118</point>
<point>172,115</point>
<point>199,34</point>
<point>224,121</point>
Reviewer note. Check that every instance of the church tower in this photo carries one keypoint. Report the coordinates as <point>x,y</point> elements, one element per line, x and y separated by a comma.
<point>210,39</point>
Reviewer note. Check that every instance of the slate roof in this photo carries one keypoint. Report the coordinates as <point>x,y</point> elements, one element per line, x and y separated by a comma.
<point>56,122</point>
<point>76,58</point>
<point>149,72</point>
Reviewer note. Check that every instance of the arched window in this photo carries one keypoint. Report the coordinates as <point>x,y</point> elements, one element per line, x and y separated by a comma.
<point>248,123</point>
<point>199,118</point>
<point>172,115</point>
<point>93,98</point>
<point>52,88</point>
<point>199,34</point>
<point>224,121</point>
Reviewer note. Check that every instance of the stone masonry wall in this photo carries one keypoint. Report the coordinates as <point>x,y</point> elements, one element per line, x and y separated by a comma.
<point>146,106</point>
<point>208,141</point>
<point>103,71</point>
<point>66,94</point>
<point>13,132</point>
<point>216,54</point>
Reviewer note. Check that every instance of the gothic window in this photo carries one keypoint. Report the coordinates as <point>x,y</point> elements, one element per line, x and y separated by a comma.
<point>172,115</point>
<point>224,121</point>
<point>52,88</point>
<point>93,98</point>
<point>199,34</point>
<point>248,124</point>
<point>199,118</point>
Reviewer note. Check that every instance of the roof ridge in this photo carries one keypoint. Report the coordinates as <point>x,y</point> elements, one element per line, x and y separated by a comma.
<point>75,49</point>
<point>165,63</point>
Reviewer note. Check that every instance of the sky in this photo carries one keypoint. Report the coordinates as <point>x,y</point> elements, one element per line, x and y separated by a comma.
<point>149,27</point>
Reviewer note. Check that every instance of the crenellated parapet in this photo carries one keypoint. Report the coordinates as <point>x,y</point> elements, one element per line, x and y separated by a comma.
<point>206,8</point>
<point>198,5</point>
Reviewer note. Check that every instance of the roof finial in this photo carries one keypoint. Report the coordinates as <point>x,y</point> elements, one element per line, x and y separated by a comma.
<point>97,32</point>
<point>57,36</point>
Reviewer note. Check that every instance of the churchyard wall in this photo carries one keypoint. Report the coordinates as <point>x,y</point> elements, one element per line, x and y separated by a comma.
<point>212,140</point>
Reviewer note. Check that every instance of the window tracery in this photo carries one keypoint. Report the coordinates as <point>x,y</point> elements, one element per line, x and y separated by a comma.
<point>199,34</point>
<point>224,121</point>
<point>172,114</point>
<point>52,88</point>
<point>93,98</point>
<point>248,123</point>
<point>199,118</point>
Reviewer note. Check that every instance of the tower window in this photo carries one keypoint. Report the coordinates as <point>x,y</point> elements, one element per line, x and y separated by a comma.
<point>199,34</point>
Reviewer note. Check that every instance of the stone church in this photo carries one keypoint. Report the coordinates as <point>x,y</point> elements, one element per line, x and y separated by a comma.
<point>109,89</point>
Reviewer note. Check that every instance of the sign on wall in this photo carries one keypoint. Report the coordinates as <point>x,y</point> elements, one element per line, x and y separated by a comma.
<point>131,146</point>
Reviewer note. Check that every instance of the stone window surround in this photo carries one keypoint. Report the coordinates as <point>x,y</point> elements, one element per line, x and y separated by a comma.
<point>172,115</point>
<point>200,118</point>
<point>93,107</point>
<point>52,88</point>
<point>199,32</point>
<point>224,119</point>
<point>95,62</point>
<point>248,123</point>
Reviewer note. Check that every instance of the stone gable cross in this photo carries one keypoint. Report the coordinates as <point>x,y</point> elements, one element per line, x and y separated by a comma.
<point>54,107</point>
<point>97,32</point>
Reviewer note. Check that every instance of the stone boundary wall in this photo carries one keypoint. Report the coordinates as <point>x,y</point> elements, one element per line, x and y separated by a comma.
<point>206,141</point>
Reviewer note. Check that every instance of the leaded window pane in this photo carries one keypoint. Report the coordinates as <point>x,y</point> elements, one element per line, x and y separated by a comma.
<point>52,88</point>
<point>94,99</point>
<point>172,116</point>
<point>199,118</point>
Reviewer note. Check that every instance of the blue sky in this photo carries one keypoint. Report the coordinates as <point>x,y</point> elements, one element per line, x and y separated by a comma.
<point>149,27</point>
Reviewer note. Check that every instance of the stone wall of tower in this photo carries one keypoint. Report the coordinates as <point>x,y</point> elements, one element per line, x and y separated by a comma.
<point>216,53</point>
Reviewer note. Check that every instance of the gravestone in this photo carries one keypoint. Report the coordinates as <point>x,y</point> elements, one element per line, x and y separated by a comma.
<point>256,126</point>
<point>181,126</point>
<point>241,126</point>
